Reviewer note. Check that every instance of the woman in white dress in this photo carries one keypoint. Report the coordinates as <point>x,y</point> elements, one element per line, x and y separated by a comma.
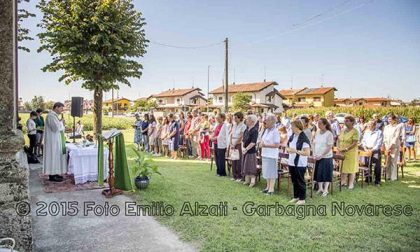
<point>322,146</point>
<point>270,143</point>
<point>392,143</point>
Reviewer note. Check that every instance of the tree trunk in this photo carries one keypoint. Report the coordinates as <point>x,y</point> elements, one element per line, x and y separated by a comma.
<point>97,111</point>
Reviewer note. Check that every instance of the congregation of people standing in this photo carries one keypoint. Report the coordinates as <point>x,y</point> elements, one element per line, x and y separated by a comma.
<point>250,144</point>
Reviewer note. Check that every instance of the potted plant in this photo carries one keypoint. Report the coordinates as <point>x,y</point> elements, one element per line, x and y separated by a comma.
<point>143,169</point>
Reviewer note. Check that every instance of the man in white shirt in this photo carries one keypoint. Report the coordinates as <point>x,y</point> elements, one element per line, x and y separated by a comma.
<point>372,142</point>
<point>31,126</point>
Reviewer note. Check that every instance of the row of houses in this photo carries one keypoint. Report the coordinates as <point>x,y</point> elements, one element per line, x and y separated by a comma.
<point>265,97</point>
<point>368,102</point>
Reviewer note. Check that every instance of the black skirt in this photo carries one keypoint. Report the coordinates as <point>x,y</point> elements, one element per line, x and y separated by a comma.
<point>324,170</point>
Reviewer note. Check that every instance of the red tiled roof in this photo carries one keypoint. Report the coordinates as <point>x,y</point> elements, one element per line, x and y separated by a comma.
<point>376,99</point>
<point>368,99</point>
<point>286,92</point>
<point>176,92</point>
<point>244,87</point>
<point>316,91</point>
<point>341,99</point>
<point>348,99</point>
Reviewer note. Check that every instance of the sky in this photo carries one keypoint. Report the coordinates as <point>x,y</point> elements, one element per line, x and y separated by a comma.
<point>364,48</point>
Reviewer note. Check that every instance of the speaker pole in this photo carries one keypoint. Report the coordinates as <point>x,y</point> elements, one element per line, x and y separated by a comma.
<point>74,129</point>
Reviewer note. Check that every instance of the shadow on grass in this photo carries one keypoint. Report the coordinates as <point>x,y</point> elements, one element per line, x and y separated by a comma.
<point>190,181</point>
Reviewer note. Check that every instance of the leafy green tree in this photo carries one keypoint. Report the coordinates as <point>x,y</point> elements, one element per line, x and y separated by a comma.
<point>23,33</point>
<point>49,105</point>
<point>27,106</point>
<point>151,104</point>
<point>241,101</point>
<point>96,42</point>
<point>36,103</point>
<point>144,105</point>
<point>139,105</point>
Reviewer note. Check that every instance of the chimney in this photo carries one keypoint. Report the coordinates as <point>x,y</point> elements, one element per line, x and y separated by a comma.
<point>264,80</point>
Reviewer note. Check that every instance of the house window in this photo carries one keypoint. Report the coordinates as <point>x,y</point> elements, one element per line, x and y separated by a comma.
<point>317,99</point>
<point>220,98</point>
<point>160,101</point>
<point>301,99</point>
<point>178,100</point>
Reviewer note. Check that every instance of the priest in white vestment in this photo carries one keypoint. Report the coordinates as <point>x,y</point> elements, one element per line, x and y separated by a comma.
<point>55,158</point>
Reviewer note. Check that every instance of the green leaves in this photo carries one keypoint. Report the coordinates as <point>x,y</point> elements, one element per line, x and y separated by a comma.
<point>144,165</point>
<point>240,101</point>
<point>23,33</point>
<point>95,41</point>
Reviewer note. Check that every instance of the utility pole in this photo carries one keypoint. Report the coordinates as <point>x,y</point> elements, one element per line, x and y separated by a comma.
<point>112,102</point>
<point>208,87</point>
<point>118,98</point>
<point>265,74</point>
<point>226,88</point>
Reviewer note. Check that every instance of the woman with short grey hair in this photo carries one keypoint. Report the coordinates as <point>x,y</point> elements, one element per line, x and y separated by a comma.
<point>249,151</point>
<point>270,143</point>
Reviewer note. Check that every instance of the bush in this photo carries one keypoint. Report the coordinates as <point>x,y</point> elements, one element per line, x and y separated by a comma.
<point>120,123</point>
<point>108,122</point>
<point>409,111</point>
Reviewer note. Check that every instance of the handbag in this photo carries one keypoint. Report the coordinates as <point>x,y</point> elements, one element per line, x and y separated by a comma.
<point>411,139</point>
<point>234,155</point>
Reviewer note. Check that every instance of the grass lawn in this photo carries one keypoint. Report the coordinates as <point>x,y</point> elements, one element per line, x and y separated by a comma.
<point>192,181</point>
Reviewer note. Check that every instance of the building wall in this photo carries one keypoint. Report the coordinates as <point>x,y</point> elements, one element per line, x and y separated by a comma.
<point>178,100</point>
<point>329,99</point>
<point>318,100</point>
<point>278,101</point>
<point>121,104</point>
<point>221,102</point>
<point>256,97</point>
<point>289,100</point>
<point>378,103</point>
<point>186,99</point>
<point>261,96</point>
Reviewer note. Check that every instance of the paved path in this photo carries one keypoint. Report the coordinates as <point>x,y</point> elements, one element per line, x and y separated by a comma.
<point>92,233</point>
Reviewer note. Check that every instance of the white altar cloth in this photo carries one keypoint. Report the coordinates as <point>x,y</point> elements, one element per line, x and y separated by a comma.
<point>83,163</point>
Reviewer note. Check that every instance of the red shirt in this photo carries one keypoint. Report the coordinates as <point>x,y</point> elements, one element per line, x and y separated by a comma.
<point>187,128</point>
<point>217,131</point>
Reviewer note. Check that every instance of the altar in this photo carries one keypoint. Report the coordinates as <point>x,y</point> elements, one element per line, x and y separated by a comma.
<point>83,162</point>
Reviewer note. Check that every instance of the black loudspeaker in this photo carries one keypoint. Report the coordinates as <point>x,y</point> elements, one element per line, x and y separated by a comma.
<point>77,106</point>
